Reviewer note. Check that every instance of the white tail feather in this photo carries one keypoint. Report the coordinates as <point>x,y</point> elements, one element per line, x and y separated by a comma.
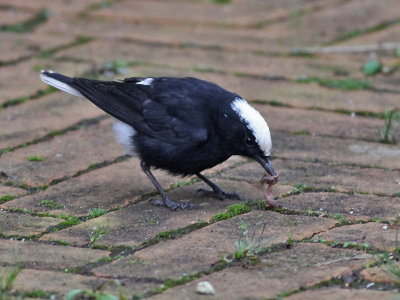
<point>60,85</point>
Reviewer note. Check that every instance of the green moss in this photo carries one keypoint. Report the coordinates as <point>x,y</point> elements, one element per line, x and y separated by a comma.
<point>302,132</point>
<point>69,222</point>
<point>271,102</point>
<point>342,84</point>
<point>222,1</point>
<point>28,25</point>
<point>96,212</point>
<point>6,198</point>
<point>357,32</point>
<point>49,204</point>
<point>174,233</point>
<point>203,69</point>
<point>233,210</point>
<point>59,242</point>
<point>78,41</point>
<point>38,294</point>
<point>183,183</point>
<point>19,100</point>
<point>35,158</point>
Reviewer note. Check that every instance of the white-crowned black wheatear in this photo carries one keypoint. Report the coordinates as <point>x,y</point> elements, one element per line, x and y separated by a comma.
<point>182,125</point>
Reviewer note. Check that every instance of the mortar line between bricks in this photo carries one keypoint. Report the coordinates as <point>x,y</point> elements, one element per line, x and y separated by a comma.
<point>39,188</point>
<point>358,283</point>
<point>260,24</point>
<point>255,76</point>
<point>364,31</point>
<point>336,163</point>
<point>308,189</point>
<point>348,138</point>
<point>52,134</point>
<point>47,53</point>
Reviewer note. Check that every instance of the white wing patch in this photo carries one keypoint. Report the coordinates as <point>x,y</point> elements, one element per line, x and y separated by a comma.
<point>255,122</point>
<point>123,134</point>
<point>146,81</point>
<point>60,85</point>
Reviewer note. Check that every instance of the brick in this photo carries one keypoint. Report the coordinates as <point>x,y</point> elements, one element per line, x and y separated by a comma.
<point>10,16</point>
<point>336,150</point>
<point>24,123</point>
<point>322,175</point>
<point>24,80</point>
<point>11,191</point>
<point>79,195</point>
<point>176,34</point>
<point>353,207</point>
<point>24,225</point>
<point>33,254</point>
<point>374,234</point>
<point>334,22</point>
<point>200,249</point>
<point>23,45</point>
<point>142,221</point>
<point>296,31</point>
<point>381,273</point>
<point>321,123</point>
<point>56,7</point>
<point>299,95</point>
<point>110,187</point>
<point>103,50</point>
<point>54,282</point>
<point>180,12</point>
<point>62,156</point>
<point>299,267</point>
<point>386,35</point>
<point>59,283</point>
<point>344,294</point>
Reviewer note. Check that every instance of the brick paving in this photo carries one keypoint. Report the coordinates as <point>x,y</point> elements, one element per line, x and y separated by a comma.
<point>75,210</point>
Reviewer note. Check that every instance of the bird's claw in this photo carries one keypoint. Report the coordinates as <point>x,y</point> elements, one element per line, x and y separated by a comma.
<point>172,205</point>
<point>220,194</point>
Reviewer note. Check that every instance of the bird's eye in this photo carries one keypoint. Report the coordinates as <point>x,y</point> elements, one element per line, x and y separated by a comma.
<point>249,141</point>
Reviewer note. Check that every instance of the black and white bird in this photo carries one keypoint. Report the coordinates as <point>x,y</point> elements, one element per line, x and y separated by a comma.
<point>182,125</point>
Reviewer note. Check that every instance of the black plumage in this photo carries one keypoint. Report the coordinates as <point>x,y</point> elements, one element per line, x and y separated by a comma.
<point>182,125</point>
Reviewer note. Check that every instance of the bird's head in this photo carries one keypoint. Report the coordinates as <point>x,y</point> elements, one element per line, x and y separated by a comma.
<point>253,138</point>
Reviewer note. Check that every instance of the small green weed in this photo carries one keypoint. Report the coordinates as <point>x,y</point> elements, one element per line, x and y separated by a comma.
<point>6,198</point>
<point>118,67</point>
<point>7,280</point>
<point>299,188</point>
<point>97,233</point>
<point>389,126</point>
<point>232,210</point>
<point>97,294</point>
<point>49,204</point>
<point>70,221</point>
<point>249,247</point>
<point>371,67</point>
<point>35,158</point>
<point>96,212</point>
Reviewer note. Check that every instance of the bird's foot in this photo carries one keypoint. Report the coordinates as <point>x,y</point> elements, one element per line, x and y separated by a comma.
<point>172,205</point>
<point>220,194</point>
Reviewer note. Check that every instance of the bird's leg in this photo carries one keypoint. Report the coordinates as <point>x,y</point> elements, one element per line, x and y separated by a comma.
<point>166,201</point>
<point>216,190</point>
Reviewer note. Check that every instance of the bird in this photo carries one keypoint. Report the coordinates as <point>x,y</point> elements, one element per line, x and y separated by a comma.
<point>181,125</point>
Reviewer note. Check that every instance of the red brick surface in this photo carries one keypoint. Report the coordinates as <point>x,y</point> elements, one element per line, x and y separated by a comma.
<point>81,217</point>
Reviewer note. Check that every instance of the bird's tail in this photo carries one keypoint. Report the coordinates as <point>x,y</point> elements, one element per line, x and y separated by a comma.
<point>59,81</point>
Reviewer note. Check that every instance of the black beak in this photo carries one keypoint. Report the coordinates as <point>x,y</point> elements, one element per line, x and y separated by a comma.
<point>266,164</point>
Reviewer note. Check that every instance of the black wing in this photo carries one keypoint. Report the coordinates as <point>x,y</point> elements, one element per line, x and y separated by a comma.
<point>169,109</point>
